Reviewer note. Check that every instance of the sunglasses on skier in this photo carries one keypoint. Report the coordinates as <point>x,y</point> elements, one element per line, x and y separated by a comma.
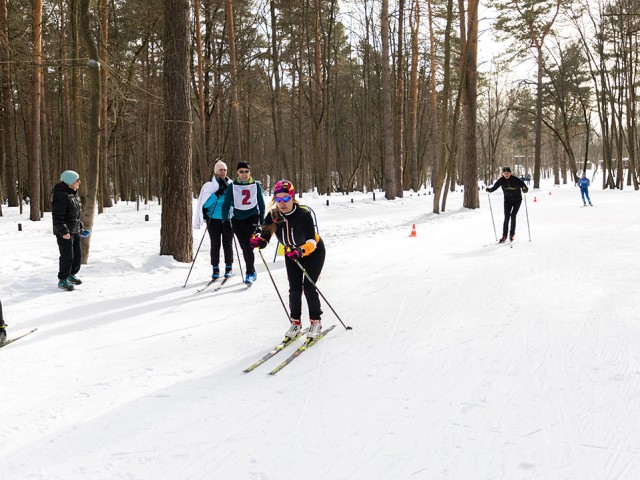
<point>243,171</point>
<point>283,199</point>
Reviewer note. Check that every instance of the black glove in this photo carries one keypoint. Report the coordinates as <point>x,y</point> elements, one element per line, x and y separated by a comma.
<point>218,193</point>
<point>525,189</point>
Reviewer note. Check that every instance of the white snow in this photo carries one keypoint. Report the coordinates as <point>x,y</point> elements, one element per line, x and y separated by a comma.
<point>464,362</point>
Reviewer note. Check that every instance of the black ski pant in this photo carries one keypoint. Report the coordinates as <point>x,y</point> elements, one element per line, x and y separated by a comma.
<point>298,283</point>
<point>219,230</point>
<point>70,255</point>
<point>511,207</point>
<point>244,228</point>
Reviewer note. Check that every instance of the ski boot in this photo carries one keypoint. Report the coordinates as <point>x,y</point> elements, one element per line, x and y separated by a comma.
<point>65,285</point>
<point>503,239</point>
<point>512,237</point>
<point>314,329</point>
<point>250,278</point>
<point>75,280</point>
<point>294,329</point>
<point>3,332</point>
<point>227,270</point>
<point>216,273</point>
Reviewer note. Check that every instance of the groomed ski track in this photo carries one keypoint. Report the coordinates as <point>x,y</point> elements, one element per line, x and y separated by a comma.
<point>463,363</point>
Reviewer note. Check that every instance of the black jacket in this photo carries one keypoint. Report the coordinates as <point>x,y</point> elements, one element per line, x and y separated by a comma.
<point>294,229</point>
<point>65,210</point>
<point>512,188</point>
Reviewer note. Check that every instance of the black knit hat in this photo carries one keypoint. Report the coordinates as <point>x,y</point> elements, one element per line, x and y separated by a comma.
<point>506,169</point>
<point>243,165</point>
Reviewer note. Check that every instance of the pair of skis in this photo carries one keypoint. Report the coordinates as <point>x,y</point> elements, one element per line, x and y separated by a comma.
<point>218,286</point>
<point>285,343</point>
<point>11,340</point>
<point>510,243</point>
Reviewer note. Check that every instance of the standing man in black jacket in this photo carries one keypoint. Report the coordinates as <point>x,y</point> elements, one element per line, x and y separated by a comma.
<point>65,211</point>
<point>511,187</point>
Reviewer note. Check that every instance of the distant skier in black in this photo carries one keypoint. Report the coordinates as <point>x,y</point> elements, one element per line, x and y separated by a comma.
<point>3,327</point>
<point>511,187</point>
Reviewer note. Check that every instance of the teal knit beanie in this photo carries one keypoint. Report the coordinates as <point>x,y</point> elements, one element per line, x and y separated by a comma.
<point>69,176</point>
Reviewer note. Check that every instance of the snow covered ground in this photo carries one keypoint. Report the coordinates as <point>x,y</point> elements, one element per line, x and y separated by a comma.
<point>465,361</point>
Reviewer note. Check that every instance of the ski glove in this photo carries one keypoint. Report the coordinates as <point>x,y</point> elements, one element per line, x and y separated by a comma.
<point>257,241</point>
<point>218,193</point>
<point>525,189</point>
<point>294,253</point>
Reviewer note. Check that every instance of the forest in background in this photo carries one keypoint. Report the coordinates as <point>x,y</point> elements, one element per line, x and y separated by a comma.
<point>141,96</point>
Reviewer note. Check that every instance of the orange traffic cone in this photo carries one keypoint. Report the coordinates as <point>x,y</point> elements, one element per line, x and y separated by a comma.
<point>413,231</point>
<point>535,199</point>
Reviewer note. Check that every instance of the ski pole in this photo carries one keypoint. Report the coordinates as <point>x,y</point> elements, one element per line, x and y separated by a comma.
<point>323,297</point>
<point>526,209</point>
<point>235,242</point>
<point>275,286</point>
<point>492,220</point>
<point>196,255</point>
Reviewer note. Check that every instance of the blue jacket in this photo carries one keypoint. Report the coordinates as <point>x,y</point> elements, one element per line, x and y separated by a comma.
<point>213,206</point>
<point>584,183</point>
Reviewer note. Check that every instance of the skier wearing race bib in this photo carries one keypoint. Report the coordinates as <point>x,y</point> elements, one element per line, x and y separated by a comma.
<point>246,198</point>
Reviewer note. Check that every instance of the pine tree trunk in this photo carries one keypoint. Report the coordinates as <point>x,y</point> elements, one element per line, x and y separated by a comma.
<point>93,127</point>
<point>444,114</point>
<point>45,157</point>
<point>235,106</point>
<point>399,117</point>
<point>414,23</point>
<point>387,119</point>
<point>176,234</point>
<point>34,180</point>
<point>105,191</point>
<point>537,163</point>
<point>318,103</point>
<point>276,97</point>
<point>7,109</point>
<point>204,170</point>
<point>434,125</point>
<point>469,105</point>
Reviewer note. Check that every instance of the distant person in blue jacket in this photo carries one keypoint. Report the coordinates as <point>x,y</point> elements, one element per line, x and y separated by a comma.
<point>584,183</point>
